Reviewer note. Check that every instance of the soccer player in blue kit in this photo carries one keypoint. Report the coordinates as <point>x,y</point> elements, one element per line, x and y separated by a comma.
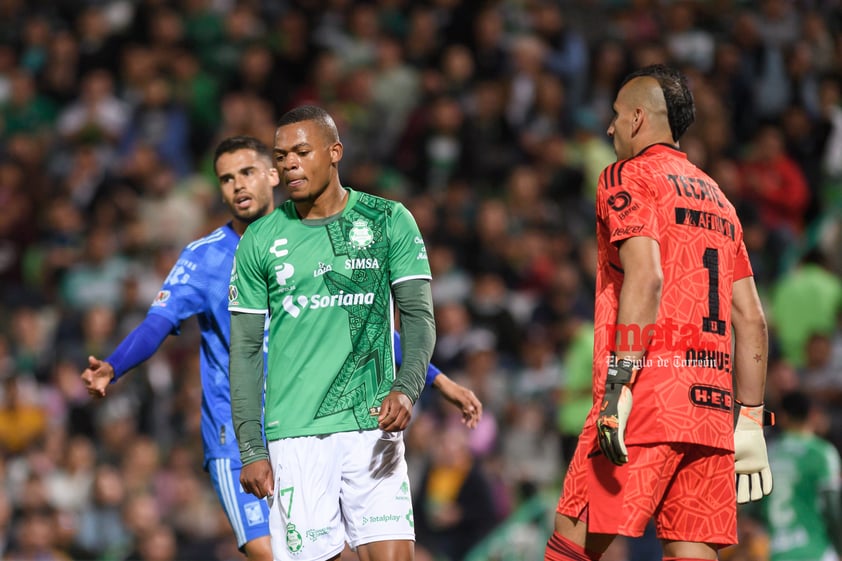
<point>197,285</point>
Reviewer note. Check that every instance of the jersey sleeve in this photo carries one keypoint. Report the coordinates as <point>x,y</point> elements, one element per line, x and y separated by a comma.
<point>248,290</point>
<point>407,252</point>
<point>626,204</point>
<point>830,472</point>
<point>742,265</point>
<point>182,294</point>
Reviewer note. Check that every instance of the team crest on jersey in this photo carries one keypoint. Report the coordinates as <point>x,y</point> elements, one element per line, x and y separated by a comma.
<point>254,514</point>
<point>161,298</point>
<point>294,540</point>
<point>360,236</point>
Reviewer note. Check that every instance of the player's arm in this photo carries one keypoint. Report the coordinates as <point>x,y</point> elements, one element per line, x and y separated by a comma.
<point>751,344</point>
<point>247,381</point>
<point>640,297</point>
<point>640,294</point>
<point>830,503</point>
<point>457,394</point>
<point>135,349</point>
<point>751,340</point>
<point>418,337</point>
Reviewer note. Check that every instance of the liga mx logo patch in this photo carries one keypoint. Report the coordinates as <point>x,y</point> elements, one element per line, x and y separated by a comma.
<point>360,236</point>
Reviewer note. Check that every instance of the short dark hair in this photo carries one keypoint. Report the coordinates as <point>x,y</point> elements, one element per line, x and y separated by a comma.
<point>236,143</point>
<point>311,113</point>
<point>796,404</point>
<point>681,109</point>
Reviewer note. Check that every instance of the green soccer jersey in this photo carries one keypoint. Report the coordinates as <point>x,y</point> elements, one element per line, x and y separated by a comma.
<point>327,288</point>
<point>803,466</point>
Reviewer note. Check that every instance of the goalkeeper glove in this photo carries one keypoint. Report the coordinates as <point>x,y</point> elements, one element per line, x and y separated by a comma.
<point>751,464</point>
<point>616,406</point>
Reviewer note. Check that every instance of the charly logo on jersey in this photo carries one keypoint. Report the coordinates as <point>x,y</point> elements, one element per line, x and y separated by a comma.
<point>277,248</point>
<point>360,236</point>
<point>284,271</point>
<point>295,305</point>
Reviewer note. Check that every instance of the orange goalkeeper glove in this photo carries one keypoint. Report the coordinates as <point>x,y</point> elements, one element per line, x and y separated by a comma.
<point>615,410</point>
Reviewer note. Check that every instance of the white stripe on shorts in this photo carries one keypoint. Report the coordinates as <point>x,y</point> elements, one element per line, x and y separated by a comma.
<point>228,488</point>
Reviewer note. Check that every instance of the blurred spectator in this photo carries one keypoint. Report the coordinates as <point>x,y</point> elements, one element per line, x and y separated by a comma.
<point>98,45</point>
<point>69,485</point>
<point>686,42</point>
<point>34,538</point>
<point>98,116</point>
<point>803,516</point>
<point>157,544</point>
<point>59,77</point>
<point>101,530</point>
<point>806,300</point>
<point>453,502</point>
<point>95,280</point>
<point>26,109</point>
<point>22,420</point>
<point>530,448</point>
<point>160,122</point>
<point>772,181</point>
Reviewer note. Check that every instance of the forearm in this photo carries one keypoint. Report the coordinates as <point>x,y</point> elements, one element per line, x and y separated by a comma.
<point>433,371</point>
<point>247,382</point>
<point>751,344</point>
<point>418,336</point>
<point>139,345</point>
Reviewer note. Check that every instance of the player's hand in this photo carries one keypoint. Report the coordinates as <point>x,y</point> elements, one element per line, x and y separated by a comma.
<point>97,376</point>
<point>395,412</point>
<point>751,464</point>
<point>461,397</point>
<point>257,479</point>
<point>614,412</point>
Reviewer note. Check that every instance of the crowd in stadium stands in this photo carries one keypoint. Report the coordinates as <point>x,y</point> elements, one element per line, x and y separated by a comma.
<point>487,119</point>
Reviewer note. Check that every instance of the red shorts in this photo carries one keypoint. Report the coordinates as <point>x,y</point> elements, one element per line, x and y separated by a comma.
<point>689,490</point>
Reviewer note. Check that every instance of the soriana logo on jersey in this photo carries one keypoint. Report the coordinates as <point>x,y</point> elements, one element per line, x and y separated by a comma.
<point>294,305</point>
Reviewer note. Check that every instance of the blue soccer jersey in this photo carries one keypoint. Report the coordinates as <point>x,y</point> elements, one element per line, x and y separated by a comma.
<point>198,286</point>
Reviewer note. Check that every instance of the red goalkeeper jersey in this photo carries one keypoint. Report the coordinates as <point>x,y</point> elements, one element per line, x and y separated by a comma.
<point>683,393</point>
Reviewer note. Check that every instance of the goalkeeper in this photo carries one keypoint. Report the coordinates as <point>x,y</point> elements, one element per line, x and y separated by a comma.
<point>676,430</point>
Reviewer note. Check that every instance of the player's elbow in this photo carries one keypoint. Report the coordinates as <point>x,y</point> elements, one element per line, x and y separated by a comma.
<point>749,317</point>
<point>648,283</point>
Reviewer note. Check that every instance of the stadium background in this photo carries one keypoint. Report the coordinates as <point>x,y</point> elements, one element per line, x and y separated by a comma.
<point>488,120</point>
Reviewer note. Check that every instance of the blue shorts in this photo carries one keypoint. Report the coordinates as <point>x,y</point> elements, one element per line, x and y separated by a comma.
<point>248,515</point>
